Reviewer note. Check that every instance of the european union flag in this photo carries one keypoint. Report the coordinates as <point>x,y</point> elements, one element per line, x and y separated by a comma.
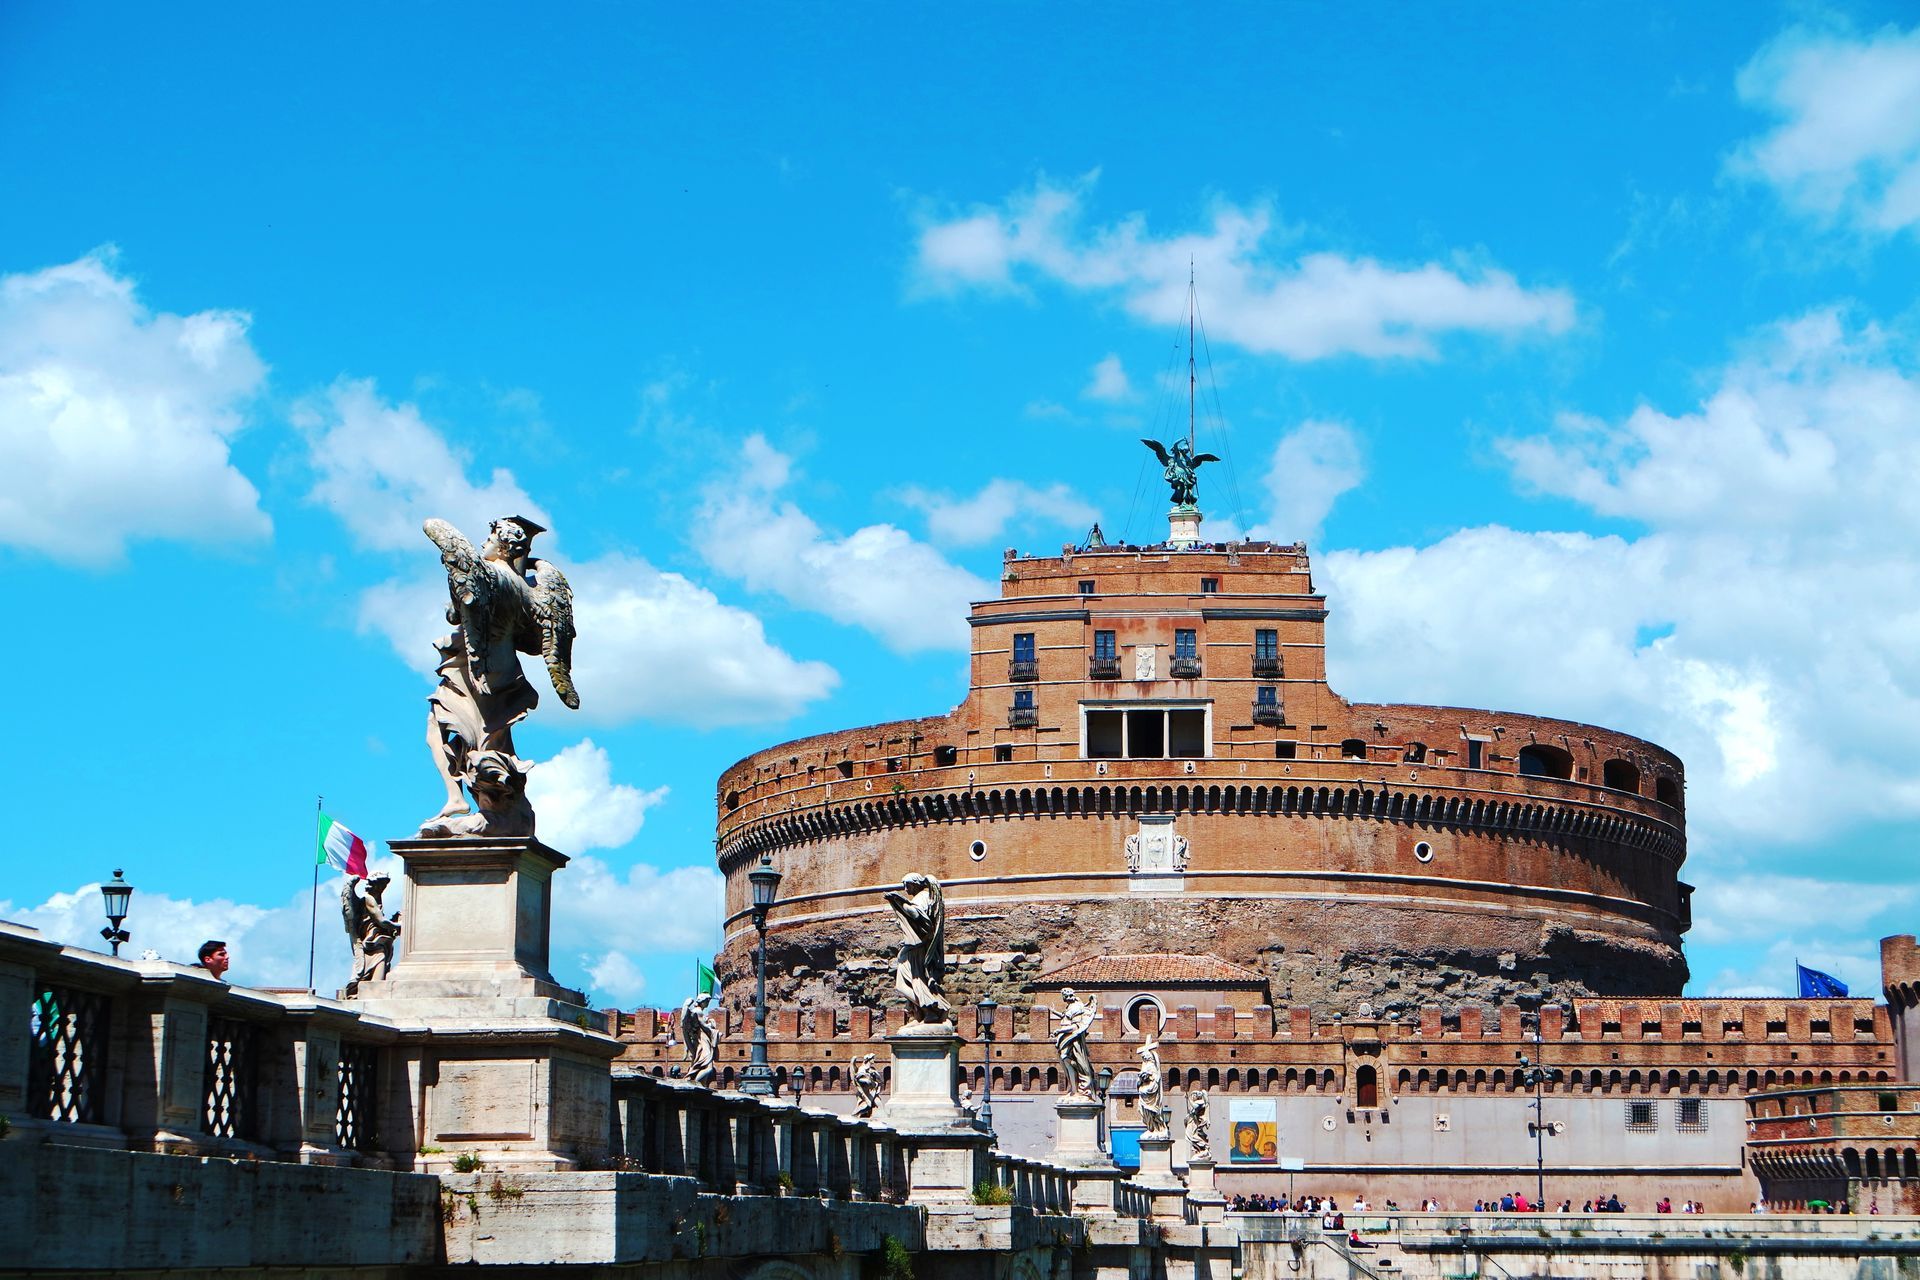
<point>1814,983</point>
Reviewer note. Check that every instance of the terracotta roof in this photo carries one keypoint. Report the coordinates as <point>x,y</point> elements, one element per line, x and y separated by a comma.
<point>1154,969</point>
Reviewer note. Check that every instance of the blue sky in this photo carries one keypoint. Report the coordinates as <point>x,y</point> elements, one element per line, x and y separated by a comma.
<point>1581,345</point>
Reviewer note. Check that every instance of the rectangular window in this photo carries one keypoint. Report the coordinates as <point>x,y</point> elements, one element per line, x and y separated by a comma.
<point>1475,758</point>
<point>1287,751</point>
<point>1023,699</point>
<point>1889,1102</point>
<point>1208,586</point>
<point>1003,753</point>
<point>1086,587</point>
<point>1147,733</point>
<point>1103,647</point>
<point>1266,695</point>
<point>1023,646</point>
<point>1185,643</point>
<point>1266,645</point>
<point>1692,1116</point>
<point>1640,1117</point>
<point>1187,734</point>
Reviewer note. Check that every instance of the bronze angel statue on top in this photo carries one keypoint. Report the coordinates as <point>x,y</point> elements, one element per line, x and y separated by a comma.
<point>1181,467</point>
<point>502,603</point>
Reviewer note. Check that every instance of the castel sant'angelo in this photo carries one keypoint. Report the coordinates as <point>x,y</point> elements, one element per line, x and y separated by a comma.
<point>1359,922</point>
<point>1150,761</point>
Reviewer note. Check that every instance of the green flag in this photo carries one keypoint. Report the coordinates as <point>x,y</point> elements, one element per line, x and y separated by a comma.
<point>704,983</point>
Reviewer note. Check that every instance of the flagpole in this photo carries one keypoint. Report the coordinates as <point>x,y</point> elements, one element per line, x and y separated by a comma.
<point>313,904</point>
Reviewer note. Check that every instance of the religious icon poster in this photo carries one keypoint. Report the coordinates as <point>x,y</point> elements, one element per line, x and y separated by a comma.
<point>1253,1132</point>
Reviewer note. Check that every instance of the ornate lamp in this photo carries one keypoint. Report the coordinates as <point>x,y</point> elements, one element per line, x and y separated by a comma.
<point>765,881</point>
<point>988,1007</point>
<point>1102,1081</point>
<point>115,895</point>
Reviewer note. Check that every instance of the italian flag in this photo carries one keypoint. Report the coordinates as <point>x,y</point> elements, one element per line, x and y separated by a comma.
<point>341,849</point>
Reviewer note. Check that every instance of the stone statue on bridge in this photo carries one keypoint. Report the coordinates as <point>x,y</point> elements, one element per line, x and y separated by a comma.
<point>1070,1041</point>
<point>699,1038</point>
<point>371,932</point>
<point>1154,1111</point>
<point>1199,1133</point>
<point>866,1084</point>
<point>920,967</point>
<point>501,602</point>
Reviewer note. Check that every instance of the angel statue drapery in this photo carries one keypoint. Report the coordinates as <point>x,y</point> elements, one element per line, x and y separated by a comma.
<point>501,603</point>
<point>1180,465</point>
<point>920,967</point>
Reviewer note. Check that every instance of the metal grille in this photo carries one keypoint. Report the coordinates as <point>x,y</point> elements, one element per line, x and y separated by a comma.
<point>1692,1116</point>
<point>231,1070</point>
<point>67,1054</point>
<point>353,1119</point>
<point>1641,1117</point>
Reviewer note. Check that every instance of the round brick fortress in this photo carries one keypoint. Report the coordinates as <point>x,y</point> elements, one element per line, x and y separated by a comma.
<point>1149,759</point>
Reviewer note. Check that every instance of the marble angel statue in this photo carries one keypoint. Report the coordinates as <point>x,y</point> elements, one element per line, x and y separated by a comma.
<point>502,602</point>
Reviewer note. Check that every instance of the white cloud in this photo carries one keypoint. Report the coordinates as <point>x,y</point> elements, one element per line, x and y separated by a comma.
<point>115,422</point>
<point>578,804</point>
<point>1761,623</point>
<point>653,645</point>
<point>1743,907</point>
<point>383,470</point>
<point>983,517</point>
<point>268,944</point>
<point>1108,381</point>
<point>1313,465</point>
<point>608,919</point>
<point>1772,973</point>
<point>1848,145</point>
<point>878,577</point>
<point>1311,307</point>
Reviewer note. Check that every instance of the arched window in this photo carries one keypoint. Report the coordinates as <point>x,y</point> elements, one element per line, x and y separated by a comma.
<point>1620,775</point>
<point>1353,749</point>
<point>1366,1087</point>
<point>1415,753</point>
<point>1539,760</point>
<point>1667,791</point>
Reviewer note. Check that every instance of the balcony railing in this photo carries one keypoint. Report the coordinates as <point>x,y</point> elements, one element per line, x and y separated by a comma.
<point>1269,713</point>
<point>1023,717</point>
<point>1103,668</point>
<point>1266,668</point>
<point>1185,669</point>
<point>1023,669</point>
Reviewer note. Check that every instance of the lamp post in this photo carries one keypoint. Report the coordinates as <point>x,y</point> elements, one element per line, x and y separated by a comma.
<point>988,1007</point>
<point>758,1077</point>
<point>1536,1073</point>
<point>115,895</point>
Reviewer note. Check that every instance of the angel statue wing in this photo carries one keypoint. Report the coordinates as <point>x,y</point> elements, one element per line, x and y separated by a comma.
<point>1159,450</point>
<point>1199,458</point>
<point>471,590</point>
<point>553,606</point>
<point>689,1025</point>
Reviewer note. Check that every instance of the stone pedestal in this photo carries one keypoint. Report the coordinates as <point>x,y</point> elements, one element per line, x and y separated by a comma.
<point>947,1153</point>
<point>1203,1192</point>
<point>512,1068</point>
<point>1077,1135</point>
<point>479,912</point>
<point>1183,528</point>
<point>1156,1178</point>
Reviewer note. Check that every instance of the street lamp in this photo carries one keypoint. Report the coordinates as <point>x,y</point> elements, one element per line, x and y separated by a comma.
<point>116,894</point>
<point>1535,1073</point>
<point>988,1007</point>
<point>758,1077</point>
